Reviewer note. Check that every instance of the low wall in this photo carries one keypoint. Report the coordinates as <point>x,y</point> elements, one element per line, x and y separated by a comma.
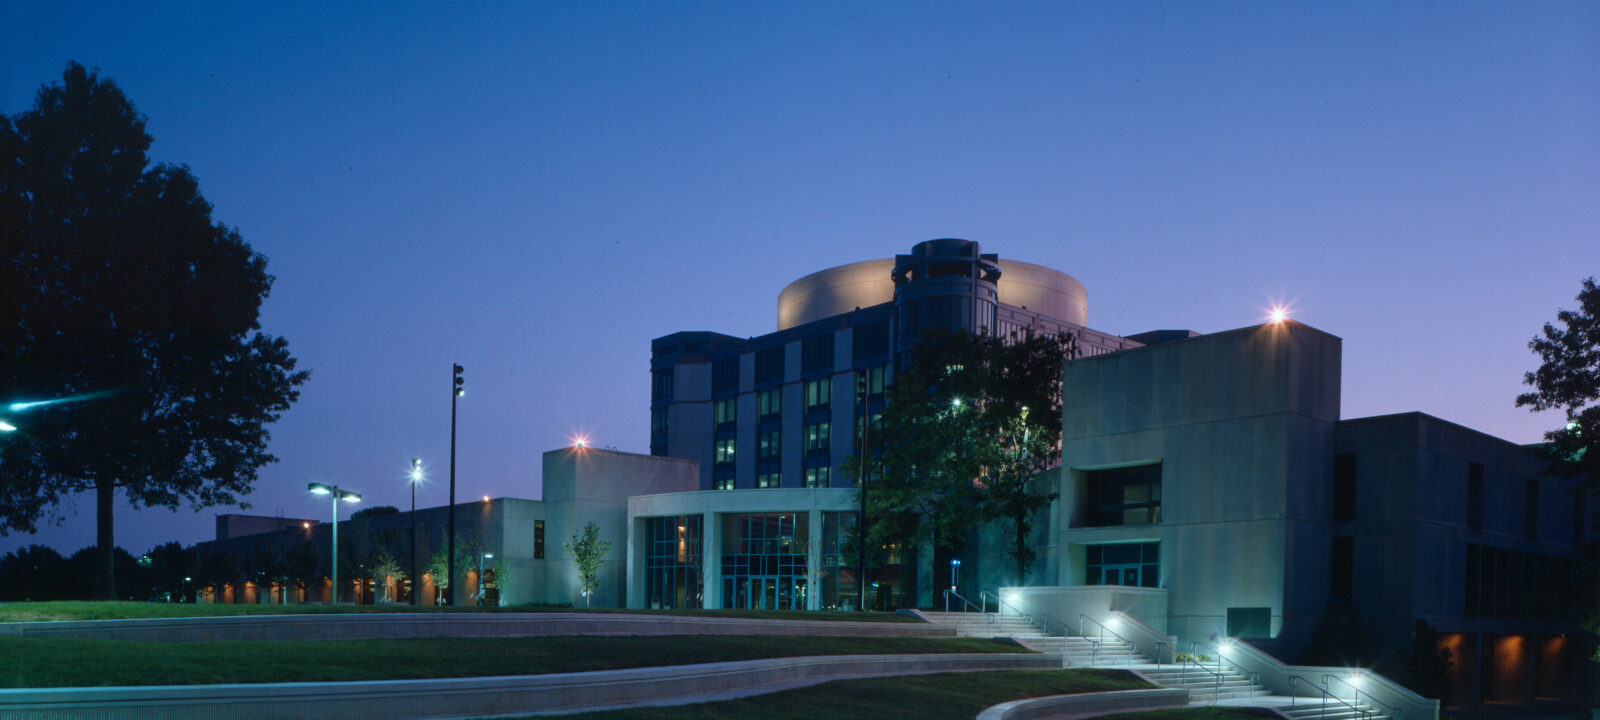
<point>364,626</point>
<point>472,697</point>
<point>1060,706</point>
<point>1066,603</point>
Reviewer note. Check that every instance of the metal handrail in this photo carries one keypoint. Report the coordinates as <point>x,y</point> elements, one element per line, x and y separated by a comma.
<point>999,605</point>
<point>1253,675</point>
<point>1103,629</point>
<point>1394,712</point>
<point>1183,677</point>
<point>1160,644</point>
<point>965,603</point>
<point>1364,713</point>
<point>1066,632</point>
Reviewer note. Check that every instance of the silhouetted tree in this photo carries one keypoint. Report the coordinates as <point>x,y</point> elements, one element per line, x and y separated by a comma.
<point>374,510</point>
<point>170,563</point>
<point>1424,666</point>
<point>36,572</point>
<point>126,305</point>
<point>85,565</point>
<point>969,424</point>
<point>303,566</point>
<point>1569,380</point>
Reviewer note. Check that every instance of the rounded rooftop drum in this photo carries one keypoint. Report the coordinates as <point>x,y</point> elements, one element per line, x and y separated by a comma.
<point>843,288</point>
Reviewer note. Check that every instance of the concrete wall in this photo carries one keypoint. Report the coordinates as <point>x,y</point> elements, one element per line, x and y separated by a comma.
<point>1242,423</point>
<point>583,485</point>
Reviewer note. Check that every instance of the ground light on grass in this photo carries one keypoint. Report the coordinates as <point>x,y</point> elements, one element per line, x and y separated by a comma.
<point>925,697</point>
<point>124,610</point>
<point>51,662</point>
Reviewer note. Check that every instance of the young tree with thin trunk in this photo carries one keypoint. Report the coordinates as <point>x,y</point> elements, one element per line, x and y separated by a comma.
<point>588,551</point>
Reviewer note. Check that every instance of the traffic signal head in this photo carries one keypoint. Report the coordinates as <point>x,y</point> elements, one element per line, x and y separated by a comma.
<point>459,390</point>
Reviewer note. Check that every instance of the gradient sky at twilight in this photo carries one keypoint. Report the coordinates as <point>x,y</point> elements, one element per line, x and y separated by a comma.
<point>535,190</point>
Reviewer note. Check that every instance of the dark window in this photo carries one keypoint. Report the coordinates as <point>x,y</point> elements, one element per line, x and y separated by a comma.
<point>769,446</point>
<point>1473,591</point>
<point>1530,510</point>
<point>1580,516</point>
<point>1124,496</point>
<point>1342,574</point>
<point>870,341</point>
<point>538,539</point>
<point>658,422</point>
<point>817,477</point>
<point>725,413</point>
<point>725,375</point>
<point>672,562</point>
<point>1129,564</point>
<point>1344,487</point>
<point>769,404</point>
<point>819,393</point>
<point>661,385</point>
<point>768,480</point>
<point>1474,496</point>
<point>817,438</point>
<point>816,354</point>
<point>769,365</point>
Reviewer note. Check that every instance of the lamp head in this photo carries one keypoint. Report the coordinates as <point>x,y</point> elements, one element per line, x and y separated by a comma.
<point>319,488</point>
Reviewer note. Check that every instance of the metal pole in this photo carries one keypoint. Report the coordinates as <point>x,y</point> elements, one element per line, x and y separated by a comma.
<point>450,562</point>
<point>333,589</point>
<point>861,521</point>
<point>416,583</point>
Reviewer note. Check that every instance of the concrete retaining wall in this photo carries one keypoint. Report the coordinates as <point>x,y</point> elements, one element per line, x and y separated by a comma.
<point>473,697</point>
<point>364,626</point>
<point>1060,706</point>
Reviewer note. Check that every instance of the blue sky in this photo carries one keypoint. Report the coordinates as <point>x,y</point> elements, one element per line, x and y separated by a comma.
<point>536,190</point>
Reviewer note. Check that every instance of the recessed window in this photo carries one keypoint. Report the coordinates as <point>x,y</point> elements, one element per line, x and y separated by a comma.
<point>769,446</point>
<point>723,451</point>
<point>817,477</point>
<point>1124,496</point>
<point>538,539</point>
<point>768,480</point>
<point>1128,564</point>
<point>769,404</point>
<point>816,354</point>
<point>1474,496</point>
<point>1344,487</point>
<point>725,413</point>
<point>817,439</point>
<point>819,393</point>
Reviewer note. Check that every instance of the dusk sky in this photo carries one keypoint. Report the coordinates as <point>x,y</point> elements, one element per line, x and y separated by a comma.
<point>536,190</point>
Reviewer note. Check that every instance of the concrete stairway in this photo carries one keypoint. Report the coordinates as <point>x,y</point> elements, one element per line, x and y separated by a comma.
<point>1304,709</point>
<point>1078,652</point>
<point>1202,685</point>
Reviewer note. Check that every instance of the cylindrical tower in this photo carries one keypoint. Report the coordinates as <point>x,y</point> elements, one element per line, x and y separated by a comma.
<point>946,283</point>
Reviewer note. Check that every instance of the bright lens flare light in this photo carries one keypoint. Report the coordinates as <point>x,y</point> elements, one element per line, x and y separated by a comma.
<point>580,441</point>
<point>1279,314</point>
<point>7,427</point>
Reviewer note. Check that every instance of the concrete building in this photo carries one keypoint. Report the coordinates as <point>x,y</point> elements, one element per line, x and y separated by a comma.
<point>1216,471</point>
<point>1209,487</point>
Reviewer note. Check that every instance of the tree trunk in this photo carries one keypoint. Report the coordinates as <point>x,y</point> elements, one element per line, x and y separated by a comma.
<point>105,493</point>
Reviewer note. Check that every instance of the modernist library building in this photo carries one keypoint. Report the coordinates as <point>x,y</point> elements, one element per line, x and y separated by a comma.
<point>1210,478</point>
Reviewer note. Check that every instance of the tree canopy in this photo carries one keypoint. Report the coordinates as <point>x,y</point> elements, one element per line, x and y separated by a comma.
<point>1569,380</point>
<point>588,552</point>
<point>131,358</point>
<point>970,423</point>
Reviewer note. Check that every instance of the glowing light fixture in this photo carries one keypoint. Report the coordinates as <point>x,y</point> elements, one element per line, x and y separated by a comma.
<point>7,427</point>
<point>1279,314</point>
<point>580,441</point>
<point>347,496</point>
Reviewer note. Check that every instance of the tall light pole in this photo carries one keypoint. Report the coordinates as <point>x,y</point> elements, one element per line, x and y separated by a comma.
<point>456,391</point>
<point>347,496</point>
<point>416,582</point>
<point>861,520</point>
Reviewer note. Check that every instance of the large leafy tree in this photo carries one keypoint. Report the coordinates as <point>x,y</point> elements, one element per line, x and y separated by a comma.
<point>126,305</point>
<point>970,423</point>
<point>1569,380</point>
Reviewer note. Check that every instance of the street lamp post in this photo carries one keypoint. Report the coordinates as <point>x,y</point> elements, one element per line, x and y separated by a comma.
<point>416,477</point>
<point>183,593</point>
<point>481,558</point>
<point>347,496</point>
<point>456,391</point>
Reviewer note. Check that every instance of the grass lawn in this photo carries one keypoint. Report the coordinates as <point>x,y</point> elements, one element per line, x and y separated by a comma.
<point>51,662</point>
<point>943,695</point>
<point>125,610</point>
